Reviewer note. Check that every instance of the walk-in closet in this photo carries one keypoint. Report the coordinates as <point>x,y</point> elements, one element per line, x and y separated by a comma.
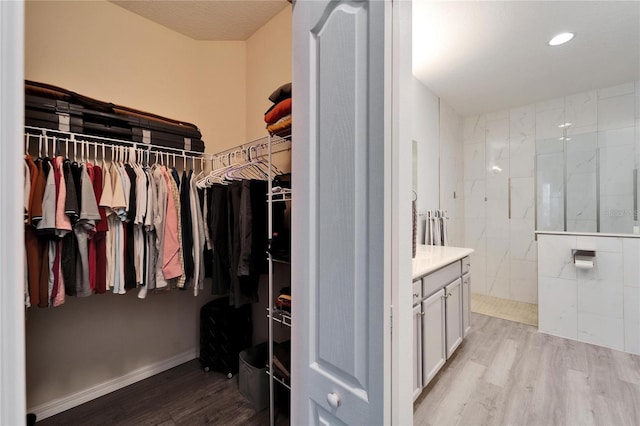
<point>81,348</point>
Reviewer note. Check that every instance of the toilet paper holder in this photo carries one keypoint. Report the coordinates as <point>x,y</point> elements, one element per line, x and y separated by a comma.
<point>587,255</point>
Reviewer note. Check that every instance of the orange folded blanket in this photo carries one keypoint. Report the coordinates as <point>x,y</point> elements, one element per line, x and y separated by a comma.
<point>280,110</point>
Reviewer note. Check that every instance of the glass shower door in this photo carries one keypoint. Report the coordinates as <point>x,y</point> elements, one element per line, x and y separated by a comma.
<point>618,180</point>
<point>582,182</point>
<point>588,182</point>
<point>550,185</point>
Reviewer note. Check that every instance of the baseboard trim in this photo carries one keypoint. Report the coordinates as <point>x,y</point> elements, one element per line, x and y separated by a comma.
<point>59,405</point>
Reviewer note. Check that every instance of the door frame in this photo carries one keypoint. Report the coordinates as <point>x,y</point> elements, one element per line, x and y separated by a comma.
<point>12,327</point>
<point>398,204</point>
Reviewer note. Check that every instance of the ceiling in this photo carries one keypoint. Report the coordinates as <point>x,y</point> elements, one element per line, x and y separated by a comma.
<point>481,56</point>
<point>208,19</point>
<point>478,56</point>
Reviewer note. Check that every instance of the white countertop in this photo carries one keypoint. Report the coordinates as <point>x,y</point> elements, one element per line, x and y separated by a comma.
<point>430,258</point>
<point>588,234</point>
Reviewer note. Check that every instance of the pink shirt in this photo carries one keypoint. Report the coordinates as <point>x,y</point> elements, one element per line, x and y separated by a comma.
<point>63,223</point>
<point>171,264</point>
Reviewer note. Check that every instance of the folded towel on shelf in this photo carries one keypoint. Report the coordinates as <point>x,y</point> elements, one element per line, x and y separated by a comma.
<point>281,93</point>
<point>281,125</point>
<point>281,109</point>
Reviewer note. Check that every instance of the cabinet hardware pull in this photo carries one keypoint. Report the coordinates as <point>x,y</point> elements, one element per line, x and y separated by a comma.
<point>422,313</point>
<point>416,295</point>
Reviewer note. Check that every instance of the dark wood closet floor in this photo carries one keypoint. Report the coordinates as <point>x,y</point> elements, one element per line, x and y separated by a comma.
<point>184,395</point>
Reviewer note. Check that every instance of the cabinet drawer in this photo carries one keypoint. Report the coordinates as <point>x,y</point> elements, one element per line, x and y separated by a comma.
<point>466,265</point>
<point>440,278</point>
<point>417,291</point>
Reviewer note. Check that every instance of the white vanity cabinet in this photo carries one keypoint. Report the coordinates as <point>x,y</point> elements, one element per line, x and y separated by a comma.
<point>453,309</point>
<point>441,306</point>
<point>434,353</point>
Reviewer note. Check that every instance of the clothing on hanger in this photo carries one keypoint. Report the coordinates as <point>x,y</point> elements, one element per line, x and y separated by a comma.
<point>122,225</point>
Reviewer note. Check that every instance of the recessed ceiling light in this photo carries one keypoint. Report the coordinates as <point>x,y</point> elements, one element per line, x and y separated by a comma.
<point>562,126</point>
<point>560,39</point>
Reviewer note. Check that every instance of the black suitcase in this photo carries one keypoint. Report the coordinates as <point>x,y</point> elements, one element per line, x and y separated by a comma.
<point>54,114</point>
<point>224,332</point>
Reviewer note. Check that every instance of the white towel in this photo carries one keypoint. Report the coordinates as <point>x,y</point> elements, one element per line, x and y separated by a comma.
<point>445,237</point>
<point>437,227</point>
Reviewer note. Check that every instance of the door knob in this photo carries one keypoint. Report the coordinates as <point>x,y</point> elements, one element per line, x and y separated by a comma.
<point>334,400</point>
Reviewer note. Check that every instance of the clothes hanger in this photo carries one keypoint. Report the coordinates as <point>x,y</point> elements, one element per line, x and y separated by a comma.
<point>248,170</point>
<point>40,146</point>
<point>268,168</point>
<point>55,146</point>
<point>275,171</point>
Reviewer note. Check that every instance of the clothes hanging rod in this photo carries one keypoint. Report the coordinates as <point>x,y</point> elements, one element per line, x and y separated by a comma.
<point>102,139</point>
<point>262,142</point>
<point>258,143</point>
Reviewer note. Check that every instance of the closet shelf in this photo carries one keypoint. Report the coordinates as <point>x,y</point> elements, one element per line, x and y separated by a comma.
<point>283,317</point>
<point>279,380</point>
<point>284,194</point>
<point>283,261</point>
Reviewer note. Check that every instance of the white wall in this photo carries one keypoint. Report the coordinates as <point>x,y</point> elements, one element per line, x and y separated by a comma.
<point>437,129</point>
<point>452,172</point>
<point>426,132</point>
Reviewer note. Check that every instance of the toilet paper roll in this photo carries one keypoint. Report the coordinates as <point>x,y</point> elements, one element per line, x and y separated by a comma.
<point>583,264</point>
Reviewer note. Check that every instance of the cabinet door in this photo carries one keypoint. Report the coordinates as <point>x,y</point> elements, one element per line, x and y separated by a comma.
<point>417,350</point>
<point>466,304</point>
<point>454,315</point>
<point>433,336</point>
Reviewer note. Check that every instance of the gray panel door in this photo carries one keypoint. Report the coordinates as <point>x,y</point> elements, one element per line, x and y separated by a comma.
<point>338,213</point>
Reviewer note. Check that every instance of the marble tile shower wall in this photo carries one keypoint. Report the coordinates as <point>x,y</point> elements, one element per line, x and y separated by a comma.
<point>451,173</point>
<point>501,147</point>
